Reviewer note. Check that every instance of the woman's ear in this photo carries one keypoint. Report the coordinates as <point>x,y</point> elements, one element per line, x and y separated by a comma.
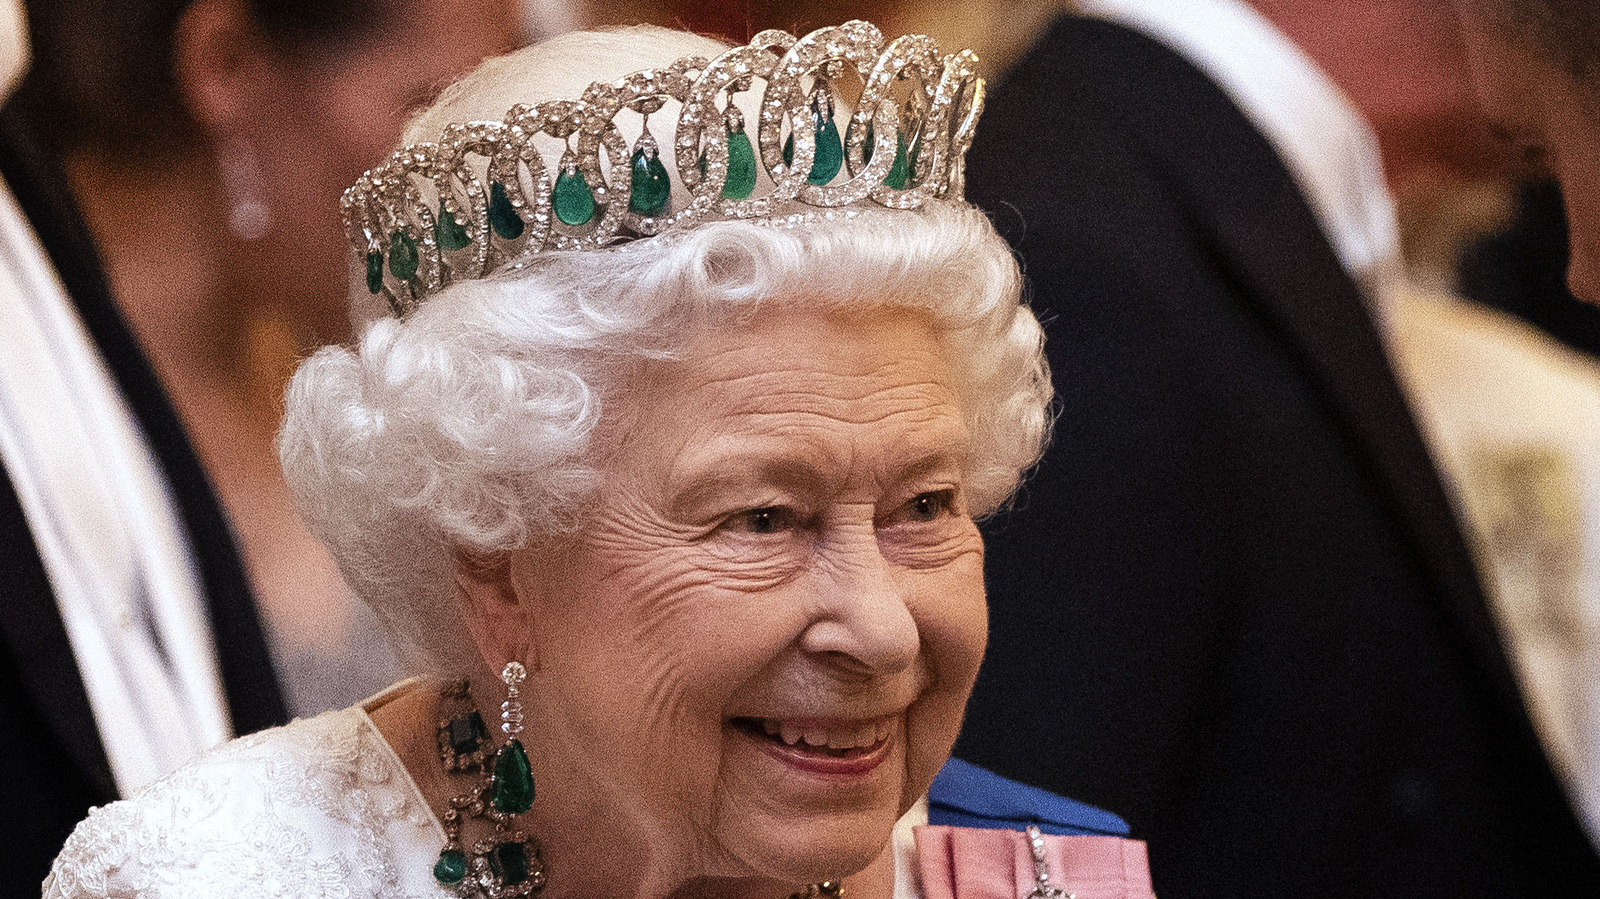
<point>494,606</point>
<point>218,61</point>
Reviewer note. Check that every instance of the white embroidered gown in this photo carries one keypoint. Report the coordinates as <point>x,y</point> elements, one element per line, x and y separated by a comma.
<point>319,809</point>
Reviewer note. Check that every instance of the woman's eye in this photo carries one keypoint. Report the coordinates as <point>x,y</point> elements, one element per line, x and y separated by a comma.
<point>929,506</point>
<point>765,520</point>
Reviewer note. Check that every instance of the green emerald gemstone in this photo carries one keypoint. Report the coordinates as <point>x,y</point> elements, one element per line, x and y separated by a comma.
<point>900,172</point>
<point>466,734</point>
<point>503,216</point>
<point>402,256</point>
<point>509,862</point>
<point>867,147</point>
<point>829,157</point>
<point>374,271</point>
<point>449,232</point>
<point>572,199</point>
<point>830,154</point>
<point>511,787</point>
<point>451,867</point>
<point>741,167</point>
<point>650,188</point>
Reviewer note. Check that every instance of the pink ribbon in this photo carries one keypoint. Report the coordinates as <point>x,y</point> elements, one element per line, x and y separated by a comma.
<point>970,863</point>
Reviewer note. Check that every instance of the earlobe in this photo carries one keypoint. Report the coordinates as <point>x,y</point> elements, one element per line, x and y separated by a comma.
<point>216,58</point>
<point>494,608</point>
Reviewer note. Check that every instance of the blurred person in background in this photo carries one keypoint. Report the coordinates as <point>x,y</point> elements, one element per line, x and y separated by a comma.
<point>1511,415</point>
<point>1522,269</point>
<point>128,638</point>
<point>208,143</point>
<point>1534,66</point>
<point>1299,686</point>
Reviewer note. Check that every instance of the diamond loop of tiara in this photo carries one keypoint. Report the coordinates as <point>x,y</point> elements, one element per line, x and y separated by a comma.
<point>426,217</point>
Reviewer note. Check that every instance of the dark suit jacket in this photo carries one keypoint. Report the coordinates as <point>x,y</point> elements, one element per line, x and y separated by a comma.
<point>1233,604</point>
<point>52,764</point>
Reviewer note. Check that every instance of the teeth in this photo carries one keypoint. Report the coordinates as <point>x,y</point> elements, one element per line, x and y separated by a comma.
<point>845,737</point>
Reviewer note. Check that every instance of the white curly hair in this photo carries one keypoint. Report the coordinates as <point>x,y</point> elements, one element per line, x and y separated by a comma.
<point>474,423</point>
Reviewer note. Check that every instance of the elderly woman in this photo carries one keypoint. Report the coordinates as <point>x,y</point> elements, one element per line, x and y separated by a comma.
<point>672,457</point>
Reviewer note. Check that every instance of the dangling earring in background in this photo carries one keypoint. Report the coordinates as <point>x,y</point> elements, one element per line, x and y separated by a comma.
<point>249,217</point>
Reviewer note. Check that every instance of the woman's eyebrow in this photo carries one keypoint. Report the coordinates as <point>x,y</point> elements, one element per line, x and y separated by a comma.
<point>714,475</point>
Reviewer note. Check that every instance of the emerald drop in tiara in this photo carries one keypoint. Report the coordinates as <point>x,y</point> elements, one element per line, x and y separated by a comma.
<point>483,197</point>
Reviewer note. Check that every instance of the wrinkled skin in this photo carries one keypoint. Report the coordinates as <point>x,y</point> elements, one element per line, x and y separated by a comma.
<point>782,536</point>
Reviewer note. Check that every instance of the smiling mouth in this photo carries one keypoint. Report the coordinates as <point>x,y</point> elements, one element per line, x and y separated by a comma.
<point>841,740</point>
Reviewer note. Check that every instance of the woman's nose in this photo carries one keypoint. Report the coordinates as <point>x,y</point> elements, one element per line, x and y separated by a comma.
<point>863,619</point>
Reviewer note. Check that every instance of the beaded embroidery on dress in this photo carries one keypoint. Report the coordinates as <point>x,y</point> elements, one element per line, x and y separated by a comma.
<point>320,809</point>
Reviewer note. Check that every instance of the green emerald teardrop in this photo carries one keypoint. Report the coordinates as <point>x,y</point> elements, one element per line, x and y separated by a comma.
<point>829,157</point>
<point>511,787</point>
<point>510,864</point>
<point>503,216</point>
<point>572,198</point>
<point>650,188</point>
<point>451,867</point>
<point>900,172</point>
<point>449,232</point>
<point>402,256</point>
<point>374,271</point>
<point>830,154</point>
<point>741,167</point>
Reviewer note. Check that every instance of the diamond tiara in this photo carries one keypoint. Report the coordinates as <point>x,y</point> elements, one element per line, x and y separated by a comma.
<point>426,216</point>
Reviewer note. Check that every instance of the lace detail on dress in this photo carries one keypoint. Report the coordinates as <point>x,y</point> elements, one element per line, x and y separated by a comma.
<point>319,809</point>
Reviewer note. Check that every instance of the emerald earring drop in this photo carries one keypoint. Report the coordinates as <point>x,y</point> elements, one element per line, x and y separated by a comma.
<point>506,862</point>
<point>511,786</point>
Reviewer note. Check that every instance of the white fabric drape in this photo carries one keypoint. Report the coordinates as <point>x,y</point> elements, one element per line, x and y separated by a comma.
<point>105,527</point>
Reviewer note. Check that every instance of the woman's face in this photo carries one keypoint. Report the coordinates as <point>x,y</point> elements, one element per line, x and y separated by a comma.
<point>756,653</point>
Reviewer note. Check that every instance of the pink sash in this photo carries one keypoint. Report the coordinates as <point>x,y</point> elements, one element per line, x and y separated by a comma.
<point>970,863</point>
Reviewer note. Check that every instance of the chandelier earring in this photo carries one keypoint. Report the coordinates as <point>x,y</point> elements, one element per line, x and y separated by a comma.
<point>506,863</point>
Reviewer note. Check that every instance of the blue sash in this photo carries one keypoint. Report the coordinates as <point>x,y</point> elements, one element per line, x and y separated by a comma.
<point>964,795</point>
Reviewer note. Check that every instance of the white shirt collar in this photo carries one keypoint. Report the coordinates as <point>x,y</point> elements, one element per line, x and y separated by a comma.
<point>1323,140</point>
